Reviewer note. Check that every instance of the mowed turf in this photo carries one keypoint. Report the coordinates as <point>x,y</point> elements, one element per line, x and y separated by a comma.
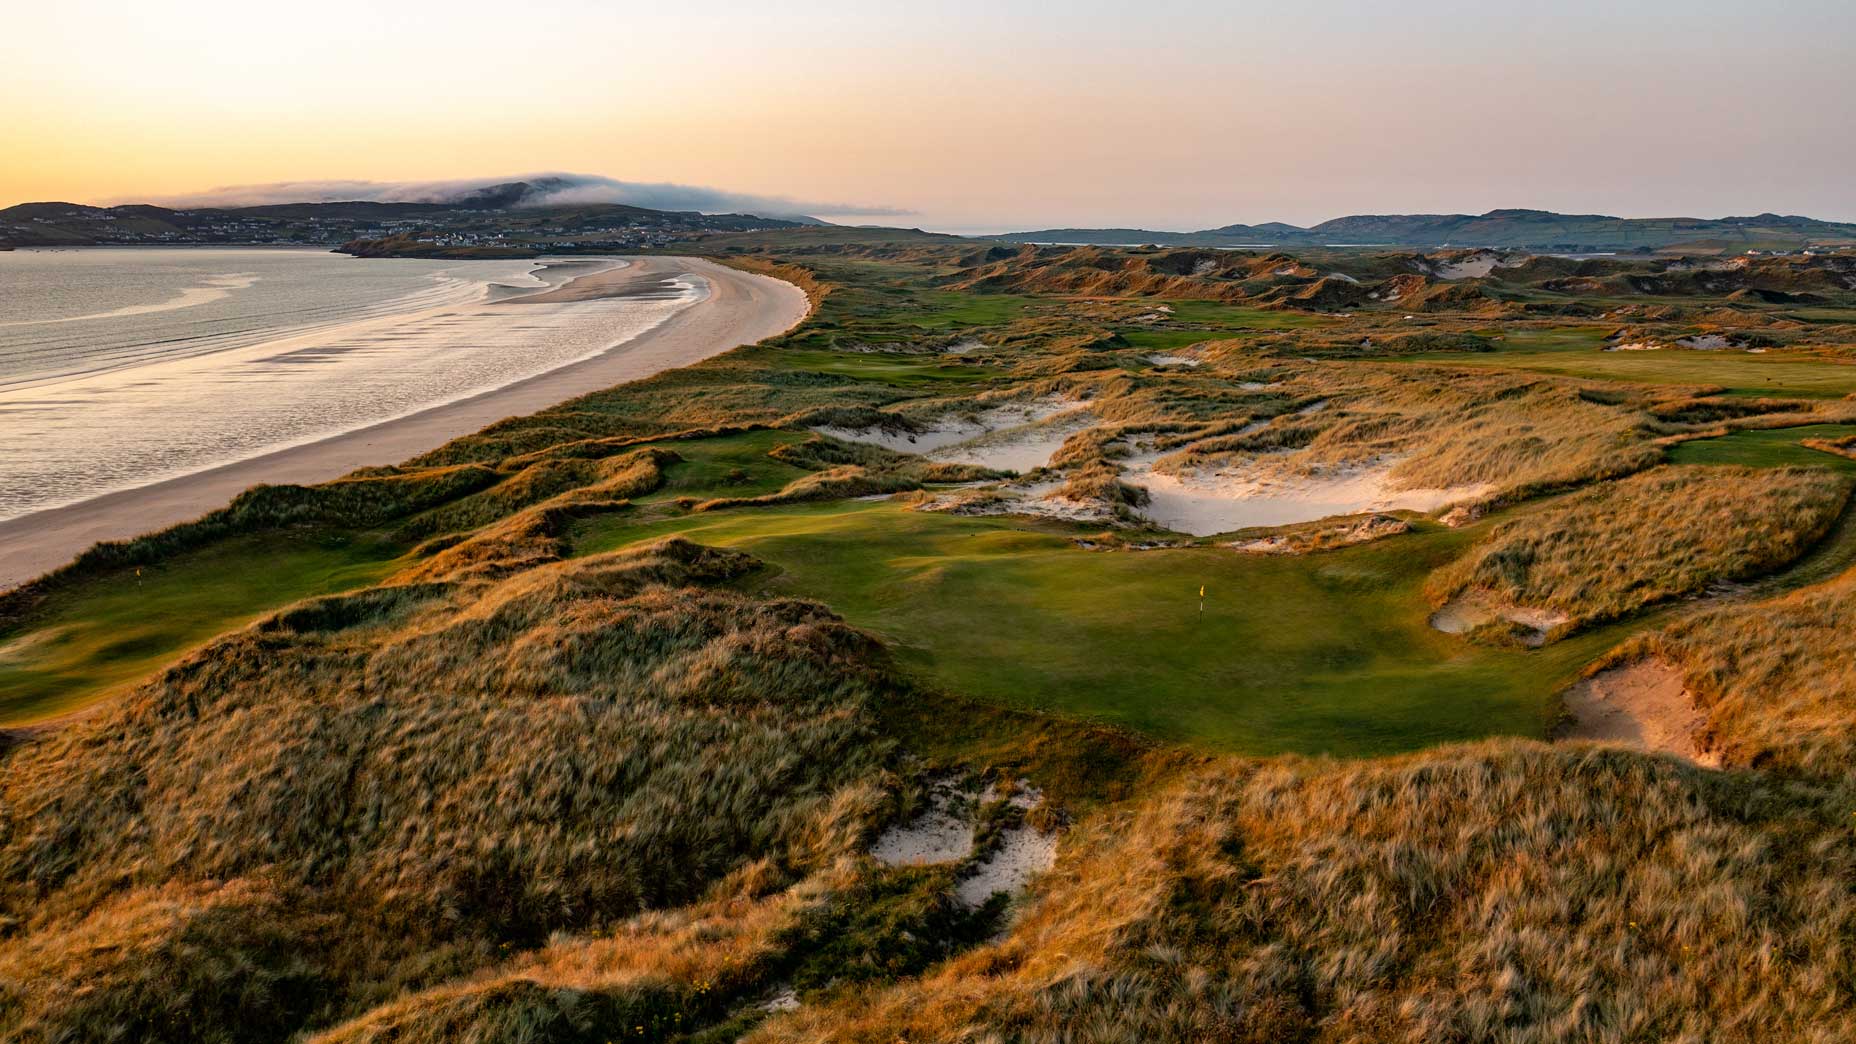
<point>1330,653</point>
<point>1767,448</point>
<point>96,635</point>
<point>1574,352</point>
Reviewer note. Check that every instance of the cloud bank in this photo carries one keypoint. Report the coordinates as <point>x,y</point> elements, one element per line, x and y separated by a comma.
<point>553,189</point>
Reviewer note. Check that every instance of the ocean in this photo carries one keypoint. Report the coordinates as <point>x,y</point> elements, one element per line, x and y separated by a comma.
<point>123,367</point>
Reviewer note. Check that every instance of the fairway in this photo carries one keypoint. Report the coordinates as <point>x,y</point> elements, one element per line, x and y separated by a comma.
<point>1576,353</point>
<point>98,634</point>
<point>1767,448</point>
<point>1324,654</point>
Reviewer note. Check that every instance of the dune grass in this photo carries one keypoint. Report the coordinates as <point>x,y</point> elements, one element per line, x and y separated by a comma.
<point>1501,892</point>
<point>1611,549</point>
<point>1329,653</point>
<point>102,633</point>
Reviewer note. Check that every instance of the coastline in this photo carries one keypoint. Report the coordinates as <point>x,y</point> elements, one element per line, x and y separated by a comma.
<point>740,308</point>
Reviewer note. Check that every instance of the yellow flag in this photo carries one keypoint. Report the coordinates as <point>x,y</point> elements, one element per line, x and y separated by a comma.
<point>1201,590</point>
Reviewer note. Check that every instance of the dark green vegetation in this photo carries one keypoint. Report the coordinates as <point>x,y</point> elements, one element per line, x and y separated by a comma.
<point>580,728</point>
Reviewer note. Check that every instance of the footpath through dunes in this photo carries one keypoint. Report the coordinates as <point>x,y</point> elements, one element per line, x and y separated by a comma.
<point>738,308</point>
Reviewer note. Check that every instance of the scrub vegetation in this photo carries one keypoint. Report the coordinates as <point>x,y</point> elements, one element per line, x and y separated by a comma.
<point>1616,547</point>
<point>584,727</point>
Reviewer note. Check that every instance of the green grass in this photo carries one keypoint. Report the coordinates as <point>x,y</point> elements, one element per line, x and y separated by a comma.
<point>944,309</point>
<point>1767,448</point>
<point>1166,339</point>
<point>902,371</point>
<point>1238,317</point>
<point>732,466</point>
<point>98,634</point>
<point>1573,352</point>
<point>1324,654</point>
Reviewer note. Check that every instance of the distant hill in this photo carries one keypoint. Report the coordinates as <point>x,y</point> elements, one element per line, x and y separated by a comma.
<point>1507,229</point>
<point>505,216</point>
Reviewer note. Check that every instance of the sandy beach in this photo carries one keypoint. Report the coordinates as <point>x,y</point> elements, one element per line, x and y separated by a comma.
<point>740,308</point>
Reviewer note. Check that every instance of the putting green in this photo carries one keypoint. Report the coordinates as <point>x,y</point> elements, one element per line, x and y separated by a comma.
<point>1329,653</point>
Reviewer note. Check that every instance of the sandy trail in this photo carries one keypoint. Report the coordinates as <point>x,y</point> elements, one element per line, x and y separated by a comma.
<point>741,308</point>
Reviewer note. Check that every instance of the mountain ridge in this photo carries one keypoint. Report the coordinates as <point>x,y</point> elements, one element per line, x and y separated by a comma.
<point>1504,227</point>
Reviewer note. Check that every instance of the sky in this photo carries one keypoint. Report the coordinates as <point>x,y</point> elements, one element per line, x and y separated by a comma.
<point>957,115</point>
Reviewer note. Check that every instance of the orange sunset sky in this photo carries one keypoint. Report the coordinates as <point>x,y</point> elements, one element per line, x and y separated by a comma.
<point>963,116</point>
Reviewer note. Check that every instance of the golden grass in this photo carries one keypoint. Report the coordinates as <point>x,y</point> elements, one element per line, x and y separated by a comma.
<point>1616,547</point>
<point>1497,892</point>
<point>1775,679</point>
<point>406,777</point>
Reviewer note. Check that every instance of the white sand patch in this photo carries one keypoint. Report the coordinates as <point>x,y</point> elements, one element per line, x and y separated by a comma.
<point>1205,267</point>
<point>953,430</point>
<point>1174,360</point>
<point>1472,609</point>
<point>1260,385</point>
<point>1206,504</point>
<point>1474,266</point>
<point>1023,448</point>
<point>944,834</point>
<point>936,836</point>
<point>1641,704</point>
<point>1637,346</point>
<point>1022,855</point>
<point>1707,342</point>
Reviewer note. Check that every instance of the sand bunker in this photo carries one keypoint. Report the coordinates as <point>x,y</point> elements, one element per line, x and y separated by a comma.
<point>939,835</point>
<point>1174,360</point>
<point>1475,266</point>
<point>944,834</point>
<point>1014,437</point>
<point>1204,504</point>
<point>1640,704</point>
<point>1472,609</point>
<point>1707,342</point>
<point>1021,855</point>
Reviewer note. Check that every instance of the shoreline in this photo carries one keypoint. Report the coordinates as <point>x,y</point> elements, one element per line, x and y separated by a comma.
<point>740,308</point>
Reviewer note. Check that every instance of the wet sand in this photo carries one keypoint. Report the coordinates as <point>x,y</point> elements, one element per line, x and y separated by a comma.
<point>741,308</point>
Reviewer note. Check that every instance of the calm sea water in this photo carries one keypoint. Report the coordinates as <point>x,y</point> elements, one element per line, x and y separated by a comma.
<point>123,367</point>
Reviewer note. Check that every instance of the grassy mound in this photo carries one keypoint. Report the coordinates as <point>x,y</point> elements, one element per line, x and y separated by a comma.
<point>1501,892</point>
<point>1616,547</point>
<point>371,790</point>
